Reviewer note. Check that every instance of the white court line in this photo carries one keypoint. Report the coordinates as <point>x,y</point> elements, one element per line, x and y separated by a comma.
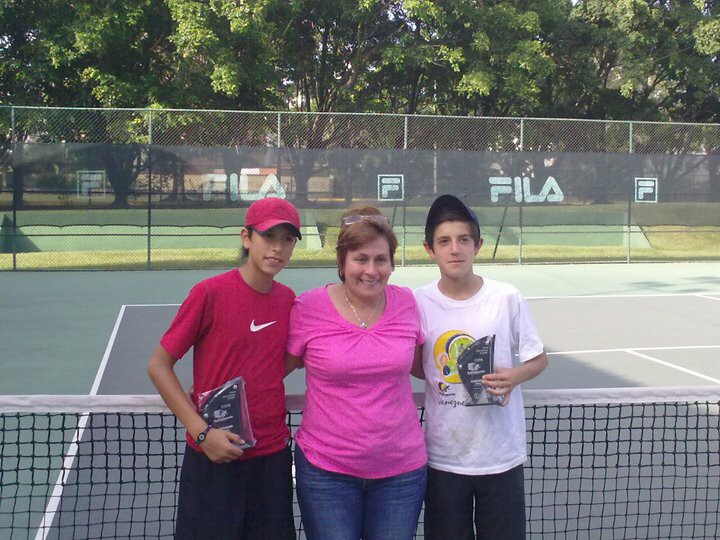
<point>69,460</point>
<point>108,350</point>
<point>559,297</point>
<point>673,366</point>
<point>594,296</point>
<point>634,351</point>
<point>717,298</point>
<point>625,349</point>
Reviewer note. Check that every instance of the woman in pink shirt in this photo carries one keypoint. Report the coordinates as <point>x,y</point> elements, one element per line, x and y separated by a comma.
<point>360,455</point>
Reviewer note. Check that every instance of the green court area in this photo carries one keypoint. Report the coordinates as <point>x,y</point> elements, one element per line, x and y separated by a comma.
<point>607,459</point>
<point>135,238</point>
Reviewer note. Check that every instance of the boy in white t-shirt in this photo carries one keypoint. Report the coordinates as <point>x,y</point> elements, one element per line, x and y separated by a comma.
<point>476,449</point>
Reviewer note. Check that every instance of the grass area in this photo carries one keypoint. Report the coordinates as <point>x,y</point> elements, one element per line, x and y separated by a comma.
<point>206,237</point>
<point>683,239</point>
<point>217,214</point>
<point>666,243</point>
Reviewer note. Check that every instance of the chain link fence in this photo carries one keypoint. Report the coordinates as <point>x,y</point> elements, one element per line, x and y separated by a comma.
<point>150,188</point>
<point>350,130</point>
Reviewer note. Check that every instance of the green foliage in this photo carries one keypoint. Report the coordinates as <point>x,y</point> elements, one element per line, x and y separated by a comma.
<point>630,59</point>
<point>707,36</point>
<point>657,58</point>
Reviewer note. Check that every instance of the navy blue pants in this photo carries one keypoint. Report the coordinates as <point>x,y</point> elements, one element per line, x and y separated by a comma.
<point>242,500</point>
<point>493,504</point>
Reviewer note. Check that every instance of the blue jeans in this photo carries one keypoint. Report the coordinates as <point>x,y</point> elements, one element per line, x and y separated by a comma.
<point>338,506</point>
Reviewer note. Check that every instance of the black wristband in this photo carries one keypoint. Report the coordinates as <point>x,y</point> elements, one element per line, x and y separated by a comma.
<point>203,434</point>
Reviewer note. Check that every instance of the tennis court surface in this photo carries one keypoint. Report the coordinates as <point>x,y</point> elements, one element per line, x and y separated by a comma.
<point>623,426</point>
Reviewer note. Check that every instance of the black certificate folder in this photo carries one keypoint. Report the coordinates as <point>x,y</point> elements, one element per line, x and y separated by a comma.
<point>226,408</point>
<point>474,362</point>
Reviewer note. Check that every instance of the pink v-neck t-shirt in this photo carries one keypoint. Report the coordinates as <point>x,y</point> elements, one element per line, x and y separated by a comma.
<point>359,417</point>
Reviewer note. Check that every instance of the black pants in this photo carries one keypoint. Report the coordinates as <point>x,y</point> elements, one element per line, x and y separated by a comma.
<point>493,503</point>
<point>242,500</point>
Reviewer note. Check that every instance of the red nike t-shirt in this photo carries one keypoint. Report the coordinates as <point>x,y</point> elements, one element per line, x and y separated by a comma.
<point>236,331</point>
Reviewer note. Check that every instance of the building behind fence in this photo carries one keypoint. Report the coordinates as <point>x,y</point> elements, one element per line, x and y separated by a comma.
<point>148,188</point>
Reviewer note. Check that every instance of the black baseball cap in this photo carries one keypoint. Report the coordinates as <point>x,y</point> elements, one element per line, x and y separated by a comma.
<point>447,203</point>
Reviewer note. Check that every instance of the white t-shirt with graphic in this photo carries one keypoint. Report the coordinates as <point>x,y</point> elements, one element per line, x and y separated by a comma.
<point>463,438</point>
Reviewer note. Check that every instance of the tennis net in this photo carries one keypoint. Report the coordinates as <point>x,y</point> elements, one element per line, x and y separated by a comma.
<point>604,463</point>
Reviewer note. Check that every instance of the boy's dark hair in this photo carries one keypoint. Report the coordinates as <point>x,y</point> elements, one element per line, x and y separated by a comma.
<point>450,208</point>
<point>245,251</point>
<point>264,214</point>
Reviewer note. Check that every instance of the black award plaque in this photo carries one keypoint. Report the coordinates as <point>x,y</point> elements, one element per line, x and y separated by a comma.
<point>226,408</point>
<point>474,362</point>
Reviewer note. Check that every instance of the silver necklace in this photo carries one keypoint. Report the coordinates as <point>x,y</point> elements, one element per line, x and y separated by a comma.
<point>363,324</point>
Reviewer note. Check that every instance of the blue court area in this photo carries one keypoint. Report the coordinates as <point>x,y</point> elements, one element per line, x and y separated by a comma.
<point>604,463</point>
<point>603,325</point>
<point>597,341</point>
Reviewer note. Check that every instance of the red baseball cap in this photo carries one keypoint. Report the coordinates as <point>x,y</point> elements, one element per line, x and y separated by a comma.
<point>265,213</point>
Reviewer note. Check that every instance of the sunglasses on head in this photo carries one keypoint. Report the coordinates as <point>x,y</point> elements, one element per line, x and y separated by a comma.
<point>357,218</point>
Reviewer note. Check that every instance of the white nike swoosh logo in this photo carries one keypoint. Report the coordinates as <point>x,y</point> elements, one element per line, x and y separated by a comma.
<point>254,328</point>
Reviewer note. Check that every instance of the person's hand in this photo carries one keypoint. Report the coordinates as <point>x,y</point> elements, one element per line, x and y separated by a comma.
<point>501,383</point>
<point>221,446</point>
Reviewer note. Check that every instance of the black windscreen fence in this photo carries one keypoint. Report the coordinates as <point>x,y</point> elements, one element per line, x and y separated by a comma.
<point>349,174</point>
<point>523,199</point>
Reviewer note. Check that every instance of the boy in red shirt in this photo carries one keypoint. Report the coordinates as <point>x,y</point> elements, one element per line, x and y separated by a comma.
<point>237,324</point>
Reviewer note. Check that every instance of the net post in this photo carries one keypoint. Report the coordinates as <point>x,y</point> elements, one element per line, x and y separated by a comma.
<point>405,133</point>
<point>630,192</point>
<point>629,225</point>
<point>13,237</point>
<point>404,232</point>
<point>520,235</point>
<point>279,132</point>
<point>502,224</point>
<point>15,195</point>
<point>149,195</point>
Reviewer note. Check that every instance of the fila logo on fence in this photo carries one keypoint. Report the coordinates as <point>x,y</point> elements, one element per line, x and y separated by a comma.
<point>646,190</point>
<point>221,183</point>
<point>520,188</point>
<point>391,187</point>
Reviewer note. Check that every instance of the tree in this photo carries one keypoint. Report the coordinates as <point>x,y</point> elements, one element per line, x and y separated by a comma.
<point>225,54</point>
<point>626,59</point>
<point>331,54</point>
<point>657,59</point>
<point>664,66</point>
<point>121,54</point>
<point>28,74</point>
